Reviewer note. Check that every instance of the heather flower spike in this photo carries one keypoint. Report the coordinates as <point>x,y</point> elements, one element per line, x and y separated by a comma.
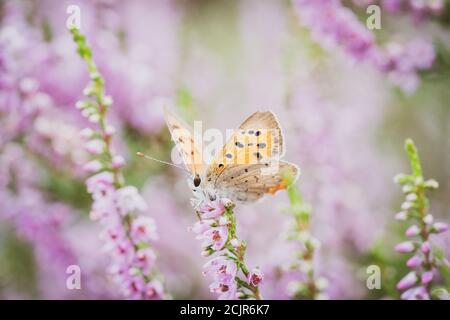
<point>233,279</point>
<point>311,286</point>
<point>127,233</point>
<point>333,24</point>
<point>425,260</point>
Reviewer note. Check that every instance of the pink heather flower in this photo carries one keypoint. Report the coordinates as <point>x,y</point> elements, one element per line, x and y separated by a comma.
<point>110,130</point>
<point>406,205</point>
<point>255,277</point>
<point>224,272</point>
<point>427,277</point>
<point>123,249</point>
<point>117,162</point>
<point>223,221</point>
<point>235,242</point>
<point>114,234</point>
<point>134,287</point>
<point>425,247</point>
<point>95,146</point>
<point>217,237</point>
<point>212,209</point>
<point>226,290</point>
<point>428,219</point>
<point>214,264</point>
<point>414,262</point>
<point>128,200</point>
<point>143,229</point>
<point>416,293</point>
<point>154,290</point>
<point>407,281</point>
<point>392,6</point>
<point>405,247</point>
<point>94,118</point>
<point>411,197</point>
<point>200,227</point>
<point>412,231</point>
<point>402,215</point>
<point>92,166</point>
<point>145,258</point>
<point>103,204</point>
<point>220,266</point>
<point>87,133</point>
<point>439,227</point>
<point>421,53</point>
<point>28,86</point>
<point>100,183</point>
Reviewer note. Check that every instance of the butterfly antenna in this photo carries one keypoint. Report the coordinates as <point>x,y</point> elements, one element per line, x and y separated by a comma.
<point>142,155</point>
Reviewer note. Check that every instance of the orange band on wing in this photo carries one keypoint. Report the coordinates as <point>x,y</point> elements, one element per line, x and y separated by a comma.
<point>272,190</point>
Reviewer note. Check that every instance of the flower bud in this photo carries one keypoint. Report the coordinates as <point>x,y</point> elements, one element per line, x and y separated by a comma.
<point>92,166</point>
<point>28,86</point>
<point>87,133</point>
<point>401,216</point>
<point>407,281</point>
<point>80,104</point>
<point>425,247</point>
<point>322,283</point>
<point>223,221</point>
<point>95,146</point>
<point>401,178</point>
<point>407,188</point>
<point>86,112</point>
<point>412,231</point>
<point>228,203</point>
<point>427,277</point>
<point>94,118</point>
<point>107,101</point>
<point>406,205</point>
<point>414,262</point>
<point>439,227</point>
<point>255,277</point>
<point>431,184</point>
<point>88,91</point>
<point>235,242</point>
<point>428,219</point>
<point>110,130</point>
<point>418,181</point>
<point>117,162</point>
<point>405,247</point>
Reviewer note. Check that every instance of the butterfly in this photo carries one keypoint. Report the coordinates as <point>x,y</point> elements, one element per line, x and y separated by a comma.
<point>247,167</point>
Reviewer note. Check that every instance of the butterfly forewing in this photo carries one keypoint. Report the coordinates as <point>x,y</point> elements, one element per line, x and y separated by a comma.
<point>184,139</point>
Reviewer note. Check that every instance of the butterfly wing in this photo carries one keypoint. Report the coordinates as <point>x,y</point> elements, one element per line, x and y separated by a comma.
<point>184,139</point>
<point>249,183</point>
<point>248,166</point>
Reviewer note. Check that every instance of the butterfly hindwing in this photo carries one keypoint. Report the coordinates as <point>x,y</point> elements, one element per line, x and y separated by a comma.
<point>250,182</point>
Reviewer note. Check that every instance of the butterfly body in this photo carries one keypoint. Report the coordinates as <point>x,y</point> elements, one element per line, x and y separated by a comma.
<point>248,166</point>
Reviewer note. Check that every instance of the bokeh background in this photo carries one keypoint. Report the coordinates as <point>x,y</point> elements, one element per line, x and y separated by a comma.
<point>345,113</point>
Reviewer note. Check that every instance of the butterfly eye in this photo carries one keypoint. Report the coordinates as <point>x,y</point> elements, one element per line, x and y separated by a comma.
<point>197,180</point>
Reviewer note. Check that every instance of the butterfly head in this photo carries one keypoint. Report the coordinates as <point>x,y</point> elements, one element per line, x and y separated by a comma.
<point>201,190</point>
